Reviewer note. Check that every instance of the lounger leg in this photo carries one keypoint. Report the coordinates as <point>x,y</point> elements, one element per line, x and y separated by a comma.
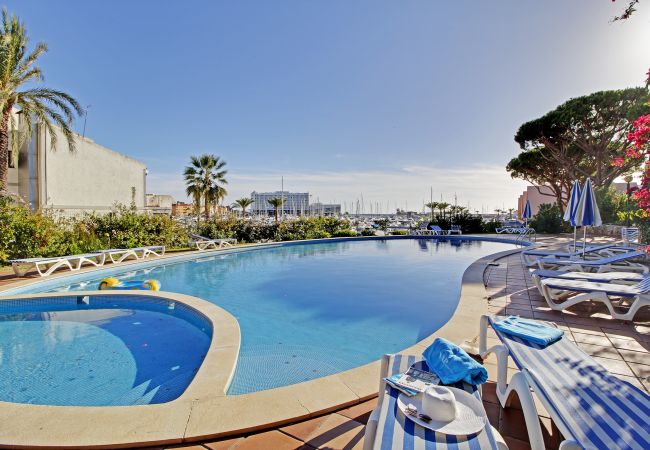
<point>54,267</point>
<point>20,272</point>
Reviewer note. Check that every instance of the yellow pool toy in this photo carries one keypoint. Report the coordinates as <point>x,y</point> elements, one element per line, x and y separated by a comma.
<point>115,284</point>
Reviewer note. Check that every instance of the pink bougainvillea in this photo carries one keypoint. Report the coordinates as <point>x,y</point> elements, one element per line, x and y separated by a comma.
<point>640,139</point>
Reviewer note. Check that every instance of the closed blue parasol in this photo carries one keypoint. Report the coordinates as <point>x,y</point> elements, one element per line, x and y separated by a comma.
<point>587,214</point>
<point>528,212</point>
<point>572,208</point>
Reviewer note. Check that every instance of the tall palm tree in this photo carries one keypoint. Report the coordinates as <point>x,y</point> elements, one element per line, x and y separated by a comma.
<point>38,105</point>
<point>442,206</point>
<point>204,179</point>
<point>432,206</point>
<point>276,203</point>
<point>244,203</point>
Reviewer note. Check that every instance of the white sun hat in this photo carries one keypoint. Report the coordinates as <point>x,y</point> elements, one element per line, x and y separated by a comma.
<point>451,410</point>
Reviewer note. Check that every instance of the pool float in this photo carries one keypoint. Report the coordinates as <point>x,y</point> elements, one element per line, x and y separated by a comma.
<point>115,284</point>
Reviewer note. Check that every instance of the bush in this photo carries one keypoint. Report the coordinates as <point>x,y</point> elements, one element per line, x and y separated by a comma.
<point>125,227</point>
<point>549,220</point>
<point>27,234</point>
<point>290,230</point>
<point>469,223</point>
<point>616,208</point>
<point>491,226</point>
<point>367,232</point>
<point>399,233</point>
<point>644,227</point>
<point>345,233</point>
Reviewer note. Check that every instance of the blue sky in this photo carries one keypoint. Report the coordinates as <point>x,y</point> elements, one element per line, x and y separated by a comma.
<point>343,98</point>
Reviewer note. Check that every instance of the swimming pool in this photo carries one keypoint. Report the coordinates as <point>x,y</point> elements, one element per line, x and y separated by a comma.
<point>307,310</point>
<point>99,350</point>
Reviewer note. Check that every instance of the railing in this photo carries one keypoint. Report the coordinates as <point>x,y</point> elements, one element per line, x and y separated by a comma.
<point>526,234</point>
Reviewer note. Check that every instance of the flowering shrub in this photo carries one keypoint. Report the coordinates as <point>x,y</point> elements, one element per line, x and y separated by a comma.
<point>640,139</point>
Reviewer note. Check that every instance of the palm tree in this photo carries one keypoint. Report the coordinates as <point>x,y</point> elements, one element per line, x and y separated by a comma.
<point>276,203</point>
<point>442,206</point>
<point>244,203</point>
<point>204,178</point>
<point>38,105</point>
<point>193,189</point>
<point>432,206</point>
<point>216,194</point>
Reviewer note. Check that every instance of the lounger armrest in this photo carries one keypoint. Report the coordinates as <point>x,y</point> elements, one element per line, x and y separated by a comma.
<point>569,444</point>
<point>371,429</point>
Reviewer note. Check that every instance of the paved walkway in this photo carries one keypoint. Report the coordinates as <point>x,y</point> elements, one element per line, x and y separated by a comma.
<point>622,347</point>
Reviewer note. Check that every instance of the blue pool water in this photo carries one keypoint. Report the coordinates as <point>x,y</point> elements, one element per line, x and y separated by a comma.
<point>310,310</point>
<point>106,352</point>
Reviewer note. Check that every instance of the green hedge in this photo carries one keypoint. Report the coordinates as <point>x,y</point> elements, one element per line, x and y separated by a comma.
<point>27,234</point>
<point>299,229</point>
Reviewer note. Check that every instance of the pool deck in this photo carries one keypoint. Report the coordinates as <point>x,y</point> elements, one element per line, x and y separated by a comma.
<point>621,347</point>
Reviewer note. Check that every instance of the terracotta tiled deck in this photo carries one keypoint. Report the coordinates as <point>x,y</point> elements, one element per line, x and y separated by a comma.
<point>622,347</point>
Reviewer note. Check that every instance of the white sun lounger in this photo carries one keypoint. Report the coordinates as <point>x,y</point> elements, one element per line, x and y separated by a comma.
<point>456,229</point>
<point>118,255</point>
<point>46,266</point>
<point>422,231</point>
<point>619,262</point>
<point>599,277</point>
<point>530,257</point>
<point>145,252</point>
<point>437,231</point>
<point>561,294</point>
<point>203,243</point>
<point>592,408</point>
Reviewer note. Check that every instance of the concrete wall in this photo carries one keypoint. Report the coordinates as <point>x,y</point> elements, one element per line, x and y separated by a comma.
<point>536,197</point>
<point>93,178</point>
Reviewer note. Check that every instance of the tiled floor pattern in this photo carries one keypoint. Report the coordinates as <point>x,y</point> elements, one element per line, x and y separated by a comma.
<point>621,347</point>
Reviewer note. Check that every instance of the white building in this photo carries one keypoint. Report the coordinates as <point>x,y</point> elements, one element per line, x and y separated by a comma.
<point>159,204</point>
<point>325,209</point>
<point>295,203</point>
<point>93,178</point>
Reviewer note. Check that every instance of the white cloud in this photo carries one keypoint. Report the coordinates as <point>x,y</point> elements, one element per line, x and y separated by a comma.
<point>483,186</point>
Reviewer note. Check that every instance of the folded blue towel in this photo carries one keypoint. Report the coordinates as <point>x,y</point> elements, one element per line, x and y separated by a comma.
<point>529,330</point>
<point>452,364</point>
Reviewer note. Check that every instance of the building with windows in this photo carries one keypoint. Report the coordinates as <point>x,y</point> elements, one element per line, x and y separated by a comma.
<point>325,209</point>
<point>93,178</point>
<point>180,209</point>
<point>295,203</point>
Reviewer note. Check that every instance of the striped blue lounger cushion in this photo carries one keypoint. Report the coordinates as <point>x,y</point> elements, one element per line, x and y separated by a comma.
<point>587,403</point>
<point>597,262</point>
<point>602,277</point>
<point>622,290</point>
